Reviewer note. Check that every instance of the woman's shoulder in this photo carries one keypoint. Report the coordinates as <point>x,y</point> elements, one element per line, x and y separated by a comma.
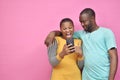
<point>78,41</point>
<point>58,37</point>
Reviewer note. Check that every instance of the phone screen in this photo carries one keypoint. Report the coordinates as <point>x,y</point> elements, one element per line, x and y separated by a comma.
<point>70,41</point>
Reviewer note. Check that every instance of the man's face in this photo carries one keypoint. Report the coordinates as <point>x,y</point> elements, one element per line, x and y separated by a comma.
<point>86,22</point>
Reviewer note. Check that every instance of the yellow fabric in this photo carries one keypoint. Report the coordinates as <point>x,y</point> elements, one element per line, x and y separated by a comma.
<point>80,58</point>
<point>58,57</point>
<point>67,69</point>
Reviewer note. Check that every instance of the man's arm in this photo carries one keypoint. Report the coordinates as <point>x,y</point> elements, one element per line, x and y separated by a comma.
<point>112,51</point>
<point>50,37</point>
<point>113,63</point>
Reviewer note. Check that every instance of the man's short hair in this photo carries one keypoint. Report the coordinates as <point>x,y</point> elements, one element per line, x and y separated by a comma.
<point>88,11</point>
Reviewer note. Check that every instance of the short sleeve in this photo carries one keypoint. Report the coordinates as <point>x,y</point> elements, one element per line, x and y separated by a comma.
<point>110,40</point>
<point>76,35</point>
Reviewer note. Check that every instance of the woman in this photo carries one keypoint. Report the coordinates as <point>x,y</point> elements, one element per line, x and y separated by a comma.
<point>64,57</point>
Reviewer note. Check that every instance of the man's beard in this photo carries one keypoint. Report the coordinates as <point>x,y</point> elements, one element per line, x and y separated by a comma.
<point>89,28</point>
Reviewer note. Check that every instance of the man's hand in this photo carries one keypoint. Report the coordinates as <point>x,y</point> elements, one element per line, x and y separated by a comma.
<point>49,39</point>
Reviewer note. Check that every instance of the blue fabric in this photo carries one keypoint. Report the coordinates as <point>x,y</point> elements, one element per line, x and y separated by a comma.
<point>95,49</point>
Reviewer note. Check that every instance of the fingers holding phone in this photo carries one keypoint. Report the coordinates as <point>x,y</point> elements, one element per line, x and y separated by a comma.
<point>65,51</point>
<point>71,48</point>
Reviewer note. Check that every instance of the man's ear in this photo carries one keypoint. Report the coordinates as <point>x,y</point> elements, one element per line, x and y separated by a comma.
<point>93,19</point>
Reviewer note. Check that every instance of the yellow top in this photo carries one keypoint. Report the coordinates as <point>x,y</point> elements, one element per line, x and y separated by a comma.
<point>67,69</point>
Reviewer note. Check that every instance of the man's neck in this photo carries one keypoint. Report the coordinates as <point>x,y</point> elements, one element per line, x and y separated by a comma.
<point>94,28</point>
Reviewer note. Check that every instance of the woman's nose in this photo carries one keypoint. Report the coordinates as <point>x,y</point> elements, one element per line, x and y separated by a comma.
<point>67,30</point>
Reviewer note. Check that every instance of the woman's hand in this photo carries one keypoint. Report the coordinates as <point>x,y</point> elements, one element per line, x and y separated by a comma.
<point>67,49</point>
<point>78,50</point>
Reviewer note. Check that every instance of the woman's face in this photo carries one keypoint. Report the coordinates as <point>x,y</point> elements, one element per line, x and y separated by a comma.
<point>67,29</point>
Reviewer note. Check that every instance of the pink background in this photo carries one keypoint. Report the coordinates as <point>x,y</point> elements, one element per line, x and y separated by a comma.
<point>24,24</point>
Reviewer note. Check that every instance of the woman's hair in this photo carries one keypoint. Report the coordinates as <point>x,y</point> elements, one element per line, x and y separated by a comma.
<point>66,20</point>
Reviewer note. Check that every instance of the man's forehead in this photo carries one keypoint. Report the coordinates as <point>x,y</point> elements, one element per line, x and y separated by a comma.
<point>84,15</point>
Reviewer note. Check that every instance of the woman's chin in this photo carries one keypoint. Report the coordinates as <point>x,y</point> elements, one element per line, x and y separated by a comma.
<point>69,37</point>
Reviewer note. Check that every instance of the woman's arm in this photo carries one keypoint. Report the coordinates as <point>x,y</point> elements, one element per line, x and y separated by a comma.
<point>52,54</point>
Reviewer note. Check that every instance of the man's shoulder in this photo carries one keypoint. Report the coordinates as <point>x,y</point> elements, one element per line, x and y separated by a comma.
<point>79,31</point>
<point>105,29</point>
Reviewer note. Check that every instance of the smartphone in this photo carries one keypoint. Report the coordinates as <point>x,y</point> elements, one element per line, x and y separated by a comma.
<point>70,41</point>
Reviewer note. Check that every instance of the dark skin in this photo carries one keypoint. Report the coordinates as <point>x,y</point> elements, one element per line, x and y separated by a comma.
<point>113,63</point>
<point>67,29</point>
<point>89,25</point>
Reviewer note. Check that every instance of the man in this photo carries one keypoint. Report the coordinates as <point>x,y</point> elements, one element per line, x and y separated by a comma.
<point>99,48</point>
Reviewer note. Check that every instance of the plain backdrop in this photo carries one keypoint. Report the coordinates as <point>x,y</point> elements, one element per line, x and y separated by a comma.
<point>24,24</point>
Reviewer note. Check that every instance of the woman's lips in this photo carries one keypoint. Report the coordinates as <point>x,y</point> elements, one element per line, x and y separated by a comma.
<point>68,35</point>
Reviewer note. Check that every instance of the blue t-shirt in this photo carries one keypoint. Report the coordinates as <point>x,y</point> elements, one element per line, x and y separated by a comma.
<point>95,49</point>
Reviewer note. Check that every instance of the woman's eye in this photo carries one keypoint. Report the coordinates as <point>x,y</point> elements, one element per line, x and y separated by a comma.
<point>70,27</point>
<point>64,28</point>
